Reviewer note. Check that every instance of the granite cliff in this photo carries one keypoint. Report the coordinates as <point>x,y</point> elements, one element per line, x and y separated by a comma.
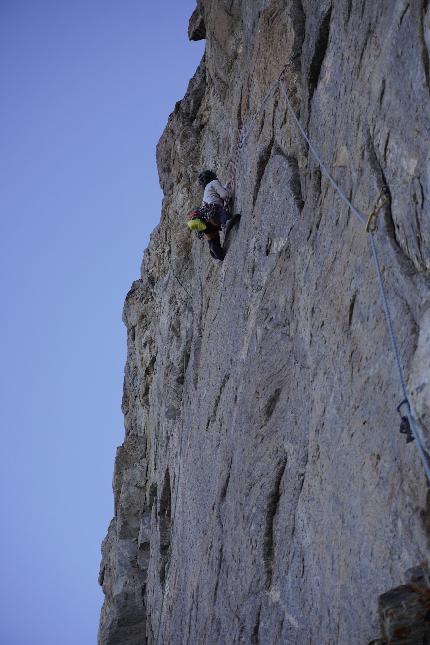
<point>263,493</point>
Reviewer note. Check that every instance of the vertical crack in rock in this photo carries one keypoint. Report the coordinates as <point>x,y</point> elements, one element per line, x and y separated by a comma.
<point>404,12</point>
<point>255,638</point>
<point>218,398</point>
<point>417,200</point>
<point>319,53</point>
<point>348,7</point>
<point>269,532</point>
<point>164,519</point>
<point>263,160</point>
<point>152,497</point>
<point>271,405</point>
<point>425,517</point>
<point>351,309</point>
<point>218,574</point>
<point>381,99</point>
<point>425,42</point>
<point>224,488</point>
<point>298,19</point>
<point>381,183</point>
<point>147,381</point>
<point>295,183</point>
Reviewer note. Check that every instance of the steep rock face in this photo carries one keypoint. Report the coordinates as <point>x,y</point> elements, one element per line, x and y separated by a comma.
<point>263,493</point>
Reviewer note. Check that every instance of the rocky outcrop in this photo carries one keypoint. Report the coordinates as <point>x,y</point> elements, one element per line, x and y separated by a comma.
<point>196,27</point>
<point>404,612</point>
<point>263,493</point>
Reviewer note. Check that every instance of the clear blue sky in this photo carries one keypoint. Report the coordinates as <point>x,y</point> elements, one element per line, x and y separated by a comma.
<point>86,89</point>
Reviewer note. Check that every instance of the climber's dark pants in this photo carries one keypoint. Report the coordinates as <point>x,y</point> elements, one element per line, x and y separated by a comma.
<point>223,217</point>
<point>215,248</point>
<point>213,227</point>
<point>216,214</point>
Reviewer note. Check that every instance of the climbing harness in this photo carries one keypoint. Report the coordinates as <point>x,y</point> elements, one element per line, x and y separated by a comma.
<point>381,202</point>
<point>209,211</point>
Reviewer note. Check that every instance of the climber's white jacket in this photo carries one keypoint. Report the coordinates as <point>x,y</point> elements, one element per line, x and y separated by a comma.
<point>215,193</point>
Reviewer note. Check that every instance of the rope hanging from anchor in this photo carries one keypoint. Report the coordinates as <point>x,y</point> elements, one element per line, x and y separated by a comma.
<point>369,228</point>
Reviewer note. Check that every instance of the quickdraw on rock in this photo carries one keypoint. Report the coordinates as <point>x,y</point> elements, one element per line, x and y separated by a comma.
<point>405,426</point>
<point>380,203</point>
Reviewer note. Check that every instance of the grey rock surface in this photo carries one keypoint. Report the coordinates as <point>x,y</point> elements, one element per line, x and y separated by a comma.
<point>263,493</point>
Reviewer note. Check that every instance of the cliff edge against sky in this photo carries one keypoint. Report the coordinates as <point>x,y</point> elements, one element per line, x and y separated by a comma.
<point>263,493</point>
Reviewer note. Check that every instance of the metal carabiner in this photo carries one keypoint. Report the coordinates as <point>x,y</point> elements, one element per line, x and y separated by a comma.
<point>405,426</point>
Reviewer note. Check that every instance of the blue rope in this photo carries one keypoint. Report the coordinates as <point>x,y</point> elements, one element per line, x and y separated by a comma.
<point>414,428</point>
<point>324,168</point>
<point>248,129</point>
<point>388,318</point>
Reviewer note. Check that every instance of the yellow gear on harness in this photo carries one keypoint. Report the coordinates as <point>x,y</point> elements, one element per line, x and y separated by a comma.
<point>196,224</point>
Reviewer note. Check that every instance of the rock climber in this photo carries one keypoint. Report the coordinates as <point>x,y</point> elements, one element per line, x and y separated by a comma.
<point>214,213</point>
<point>215,194</point>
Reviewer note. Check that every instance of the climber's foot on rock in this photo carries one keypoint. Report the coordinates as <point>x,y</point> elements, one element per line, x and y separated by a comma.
<point>233,221</point>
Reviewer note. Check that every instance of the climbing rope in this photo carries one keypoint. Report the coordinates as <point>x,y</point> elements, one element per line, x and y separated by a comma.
<point>368,223</point>
<point>231,180</point>
<point>180,283</point>
<point>381,202</point>
<point>318,158</point>
<point>244,133</point>
<point>258,111</point>
<point>412,423</point>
